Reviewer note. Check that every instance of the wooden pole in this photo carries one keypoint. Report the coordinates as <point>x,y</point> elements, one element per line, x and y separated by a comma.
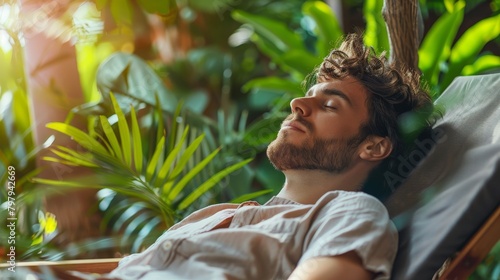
<point>405,29</point>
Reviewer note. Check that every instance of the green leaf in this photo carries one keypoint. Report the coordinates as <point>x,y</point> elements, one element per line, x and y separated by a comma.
<point>153,164</point>
<point>108,146</point>
<point>470,45</point>
<point>19,109</point>
<point>27,177</point>
<point>436,45</point>
<point>207,185</point>
<point>274,30</point>
<point>111,206</point>
<point>449,5</point>
<point>82,156</point>
<point>73,184</point>
<point>146,232</point>
<point>268,176</point>
<point>31,155</point>
<point>127,215</point>
<point>132,81</point>
<point>167,164</point>
<point>482,64</point>
<point>327,28</point>
<point>110,135</point>
<point>268,48</point>
<point>250,196</point>
<point>301,61</point>
<point>274,84</point>
<point>136,141</point>
<point>186,156</point>
<point>79,136</point>
<point>135,224</point>
<point>174,126</point>
<point>74,160</point>
<point>375,34</point>
<point>124,132</point>
<point>243,122</point>
<point>190,175</point>
<point>58,160</point>
<point>37,240</point>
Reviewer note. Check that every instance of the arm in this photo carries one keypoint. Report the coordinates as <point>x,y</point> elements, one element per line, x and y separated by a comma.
<point>346,267</point>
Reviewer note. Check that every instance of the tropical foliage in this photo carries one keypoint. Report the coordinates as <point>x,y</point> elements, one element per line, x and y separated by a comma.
<point>440,60</point>
<point>154,162</point>
<point>442,56</point>
<point>20,201</point>
<point>490,267</point>
<point>156,185</point>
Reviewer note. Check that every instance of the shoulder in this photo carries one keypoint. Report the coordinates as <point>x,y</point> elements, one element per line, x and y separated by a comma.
<point>350,212</point>
<point>353,222</point>
<point>351,203</point>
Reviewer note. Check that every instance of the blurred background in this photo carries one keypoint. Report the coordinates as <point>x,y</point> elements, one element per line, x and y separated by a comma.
<point>120,117</point>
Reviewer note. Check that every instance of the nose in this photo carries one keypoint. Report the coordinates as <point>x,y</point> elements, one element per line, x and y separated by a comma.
<point>300,106</point>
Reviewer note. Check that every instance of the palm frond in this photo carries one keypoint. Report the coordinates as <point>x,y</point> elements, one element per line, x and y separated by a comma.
<point>153,183</point>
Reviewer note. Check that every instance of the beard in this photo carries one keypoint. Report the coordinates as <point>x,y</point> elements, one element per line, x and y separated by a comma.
<point>331,155</point>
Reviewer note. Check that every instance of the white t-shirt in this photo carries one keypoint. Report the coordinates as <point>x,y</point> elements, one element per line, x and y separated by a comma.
<point>253,241</point>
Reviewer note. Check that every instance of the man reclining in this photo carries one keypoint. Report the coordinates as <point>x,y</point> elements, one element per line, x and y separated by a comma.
<point>320,225</point>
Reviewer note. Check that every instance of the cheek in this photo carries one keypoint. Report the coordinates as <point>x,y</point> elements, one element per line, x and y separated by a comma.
<point>337,129</point>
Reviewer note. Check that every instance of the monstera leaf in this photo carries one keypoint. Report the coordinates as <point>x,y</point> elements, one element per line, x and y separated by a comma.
<point>132,81</point>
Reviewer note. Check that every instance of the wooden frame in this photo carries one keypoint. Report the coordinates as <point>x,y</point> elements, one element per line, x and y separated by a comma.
<point>476,249</point>
<point>60,268</point>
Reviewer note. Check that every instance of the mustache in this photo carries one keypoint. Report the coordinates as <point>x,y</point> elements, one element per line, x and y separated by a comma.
<point>299,119</point>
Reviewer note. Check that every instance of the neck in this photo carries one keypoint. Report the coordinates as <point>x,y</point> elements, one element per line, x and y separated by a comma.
<point>307,186</point>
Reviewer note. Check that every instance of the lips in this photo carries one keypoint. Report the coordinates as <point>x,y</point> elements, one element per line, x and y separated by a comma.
<point>294,125</point>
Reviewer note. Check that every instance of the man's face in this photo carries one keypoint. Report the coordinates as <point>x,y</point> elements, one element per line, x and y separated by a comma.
<point>323,130</point>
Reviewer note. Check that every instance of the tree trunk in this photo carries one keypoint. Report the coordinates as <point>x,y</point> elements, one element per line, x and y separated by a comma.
<point>53,84</point>
<point>405,29</point>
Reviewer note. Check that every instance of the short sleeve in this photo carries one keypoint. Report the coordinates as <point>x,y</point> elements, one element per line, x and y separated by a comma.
<point>353,222</point>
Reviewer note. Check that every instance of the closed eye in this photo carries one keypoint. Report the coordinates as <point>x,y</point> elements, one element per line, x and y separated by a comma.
<point>331,104</point>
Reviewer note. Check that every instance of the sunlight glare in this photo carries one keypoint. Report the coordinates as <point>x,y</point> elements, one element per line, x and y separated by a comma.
<point>7,15</point>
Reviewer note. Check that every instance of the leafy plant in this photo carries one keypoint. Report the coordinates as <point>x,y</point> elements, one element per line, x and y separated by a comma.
<point>490,267</point>
<point>20,200</point>
<point>133,82</point>
<point>288,50</point>
<point>157,186</point>
<point>441,60</point>
<point>206,77</point>
<point>237,141</point>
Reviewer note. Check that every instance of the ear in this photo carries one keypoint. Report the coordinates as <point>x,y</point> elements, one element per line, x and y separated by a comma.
<point>375,148</point>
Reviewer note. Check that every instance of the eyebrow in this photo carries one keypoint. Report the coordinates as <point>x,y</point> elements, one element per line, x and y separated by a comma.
<point>333,92</point>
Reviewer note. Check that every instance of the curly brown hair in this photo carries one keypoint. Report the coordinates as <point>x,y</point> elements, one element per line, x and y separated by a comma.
<point>393,92</point>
